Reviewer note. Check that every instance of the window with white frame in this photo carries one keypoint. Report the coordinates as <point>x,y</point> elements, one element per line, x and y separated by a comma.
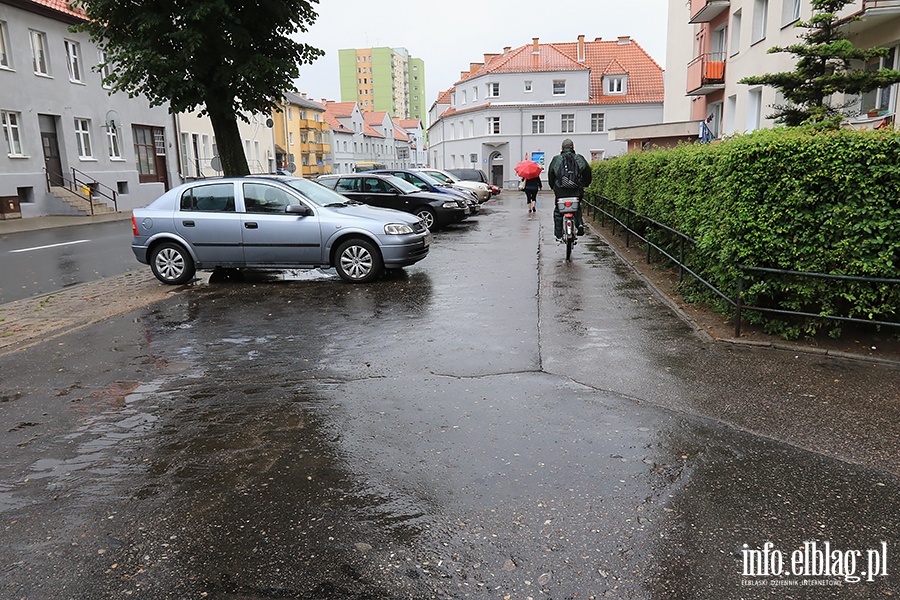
<point>567,123</point>
<point>73,62</point>
<point>83,138</point>
<point>465,96</point>
<point>528,87</point>
<point>883,99</point>
<point>614,84</point>
<point>493,90</point>
<point>754,109</point>
<point>537,123</point>
<point>112,142</point>
<point>10,123</point>
<point>39,52</point>
<point>598,122</point>
<point>735,32</point>
<point>104,68</point>
<point>790,12</point>
<point>760,17</point>
<point>5,59</point>
<point>453,99</point>
<point>559,87</point>
<point>474,94</point>
<point>493,125</point>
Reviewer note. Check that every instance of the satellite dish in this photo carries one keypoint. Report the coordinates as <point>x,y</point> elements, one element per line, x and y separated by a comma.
<point>270,123</point>
<point>112,120</point>
<point>216,163</point>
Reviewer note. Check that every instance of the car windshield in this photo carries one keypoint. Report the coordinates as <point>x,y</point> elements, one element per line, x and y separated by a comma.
<point>316,192</point>
<point>442,177</point>
<point>405,186</point>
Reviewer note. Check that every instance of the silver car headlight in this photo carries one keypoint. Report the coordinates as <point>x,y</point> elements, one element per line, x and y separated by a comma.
<point>452,204</point>
<point>397,229</point>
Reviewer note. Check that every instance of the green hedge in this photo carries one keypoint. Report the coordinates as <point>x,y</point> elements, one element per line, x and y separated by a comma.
<point>826,202</point>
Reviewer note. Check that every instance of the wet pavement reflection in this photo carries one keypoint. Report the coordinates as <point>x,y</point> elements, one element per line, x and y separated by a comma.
<point>491,423</point>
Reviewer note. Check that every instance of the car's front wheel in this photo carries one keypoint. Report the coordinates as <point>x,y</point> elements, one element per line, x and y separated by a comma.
<point>427,215</point>
<point>172,264</point>
<point>357,261</point>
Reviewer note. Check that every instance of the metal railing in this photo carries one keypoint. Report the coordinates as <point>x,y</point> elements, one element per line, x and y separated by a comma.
<point>624,217</point>
<point>85,184</point>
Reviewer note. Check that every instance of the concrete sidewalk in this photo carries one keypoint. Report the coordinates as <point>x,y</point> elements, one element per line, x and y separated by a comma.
<point>49,222</point>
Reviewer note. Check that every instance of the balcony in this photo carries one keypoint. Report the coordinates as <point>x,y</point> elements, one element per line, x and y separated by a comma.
<point>704,11</point>
<point>706,74</point>
<point>874,13</point>
<point>882,5</point>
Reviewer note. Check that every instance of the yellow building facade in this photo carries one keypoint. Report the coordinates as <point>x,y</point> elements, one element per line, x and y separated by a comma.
<point>302,137</point>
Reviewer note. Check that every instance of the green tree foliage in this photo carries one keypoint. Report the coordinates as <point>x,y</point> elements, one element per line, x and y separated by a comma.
<point>791,199</point>
<point>222,56</point>
<point>828,63</point>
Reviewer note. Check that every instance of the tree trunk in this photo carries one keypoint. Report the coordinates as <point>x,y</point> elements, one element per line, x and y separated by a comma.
<point>228,142</point>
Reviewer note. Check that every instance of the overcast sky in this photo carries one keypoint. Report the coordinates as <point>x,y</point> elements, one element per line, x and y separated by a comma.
<point>450,35</point>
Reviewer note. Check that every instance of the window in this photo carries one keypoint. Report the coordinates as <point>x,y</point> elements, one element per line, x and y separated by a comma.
<point>73,54</point>
<point>104,68</point>
<point>4,46</point>
<point>567,123</point>
<point>493,125</point>
<point>465,96</point>
<point>537,123</point>
<point>83,138</point>
<point>736,33</point>
<point>145,152</point>
<point>474,94</point>
<point>879,99</point>
<point>760,16</point>
<point>754,109</point>
<point>528,87</point>
<point>790,12</point>
<point>493,90</point>
<point>10,123</point>
<point>730,109</point>
<point>218,197</point>
<point>261,198</point>
<point>39,52</point>
<point>559,87</point>
<point>614,84</point>
<point>598,122</point>
<point>112,141</point>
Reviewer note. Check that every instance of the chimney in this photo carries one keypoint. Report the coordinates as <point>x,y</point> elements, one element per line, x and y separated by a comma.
<point>598,39</point>
<point>506,49</point>
<point>624,39</point>
<point>580,48</point>
<point>303,94</point>
<point>536,47</point>
<point>489,57</point>
<point>473,67</point>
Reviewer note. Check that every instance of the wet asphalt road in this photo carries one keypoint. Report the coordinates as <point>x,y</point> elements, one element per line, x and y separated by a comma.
<point>494,423</point>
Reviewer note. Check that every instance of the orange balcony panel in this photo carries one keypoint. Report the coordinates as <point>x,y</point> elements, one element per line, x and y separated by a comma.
<point>706,74</point>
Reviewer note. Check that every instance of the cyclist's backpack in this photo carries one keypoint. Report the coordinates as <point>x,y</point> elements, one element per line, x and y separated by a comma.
<point>568,175</point>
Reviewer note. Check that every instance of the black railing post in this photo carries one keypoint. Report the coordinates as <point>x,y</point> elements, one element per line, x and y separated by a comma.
<point>738,304</point>
<point>680,259</point>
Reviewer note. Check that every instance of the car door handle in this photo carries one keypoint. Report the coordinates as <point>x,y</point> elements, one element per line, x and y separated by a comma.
<point>187,223</point>
<point>251,225</point>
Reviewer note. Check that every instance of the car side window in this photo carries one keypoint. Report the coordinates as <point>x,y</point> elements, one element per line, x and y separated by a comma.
<point>216,197</point>
<point>261,198</point>
<point>416,182</point>
<point>329,183</point>
<point>375,185</point>
<point>347,184</point>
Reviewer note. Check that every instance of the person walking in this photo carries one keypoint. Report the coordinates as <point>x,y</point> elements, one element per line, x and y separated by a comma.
<point>568,175</point>
<point>532,187</point>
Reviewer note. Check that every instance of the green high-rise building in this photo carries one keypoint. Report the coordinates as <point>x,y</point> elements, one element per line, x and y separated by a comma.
<point>384,80</point>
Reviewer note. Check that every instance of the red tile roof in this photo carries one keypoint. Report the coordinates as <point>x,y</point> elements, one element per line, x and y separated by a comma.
<point>614,57</point>
<point>63,7</point>
<point>340,109</point>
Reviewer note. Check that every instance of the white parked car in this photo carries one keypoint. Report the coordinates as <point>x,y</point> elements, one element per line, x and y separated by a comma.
<point>482,190</point>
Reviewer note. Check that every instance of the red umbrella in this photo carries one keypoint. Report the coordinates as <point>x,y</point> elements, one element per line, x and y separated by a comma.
<point>528,169</point>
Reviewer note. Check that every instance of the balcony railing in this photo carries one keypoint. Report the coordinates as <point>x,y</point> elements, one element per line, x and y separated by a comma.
<point>891,5</point>
<point>706,74</point>
<point>704,11</point>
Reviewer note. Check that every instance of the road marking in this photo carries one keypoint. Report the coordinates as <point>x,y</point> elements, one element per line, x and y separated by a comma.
<point>49,246</point>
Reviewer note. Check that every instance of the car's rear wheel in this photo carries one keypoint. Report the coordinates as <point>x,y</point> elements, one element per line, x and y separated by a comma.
<point>172,264</point>
<point>357,261</point>
<point>427,215</point>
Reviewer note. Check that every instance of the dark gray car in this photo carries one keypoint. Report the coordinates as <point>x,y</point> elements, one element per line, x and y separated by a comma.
<point>275,223</point>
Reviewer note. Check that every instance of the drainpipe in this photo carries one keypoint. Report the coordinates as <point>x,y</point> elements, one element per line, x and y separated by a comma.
<point>177,124</point>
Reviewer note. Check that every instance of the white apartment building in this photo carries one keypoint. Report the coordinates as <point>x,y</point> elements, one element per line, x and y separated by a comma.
<point>522,103</point>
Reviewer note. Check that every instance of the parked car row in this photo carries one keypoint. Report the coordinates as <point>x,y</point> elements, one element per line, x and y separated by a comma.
<point>476,175</point>
<point>360,223</point>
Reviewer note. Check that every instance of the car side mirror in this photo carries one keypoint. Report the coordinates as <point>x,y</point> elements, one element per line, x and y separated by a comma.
<point>298,209</point>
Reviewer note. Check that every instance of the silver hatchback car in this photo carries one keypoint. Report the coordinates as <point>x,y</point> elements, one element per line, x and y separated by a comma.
<point>272,223</point>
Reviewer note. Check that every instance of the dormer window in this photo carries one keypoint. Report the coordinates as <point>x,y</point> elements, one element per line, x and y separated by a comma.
<point>614,84</point>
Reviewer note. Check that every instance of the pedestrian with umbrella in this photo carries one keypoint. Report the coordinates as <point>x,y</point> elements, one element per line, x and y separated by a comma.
<point>530,172</point>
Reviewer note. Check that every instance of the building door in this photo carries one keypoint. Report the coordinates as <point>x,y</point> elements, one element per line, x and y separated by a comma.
<point>50,146</point>
<point>150,151</point>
